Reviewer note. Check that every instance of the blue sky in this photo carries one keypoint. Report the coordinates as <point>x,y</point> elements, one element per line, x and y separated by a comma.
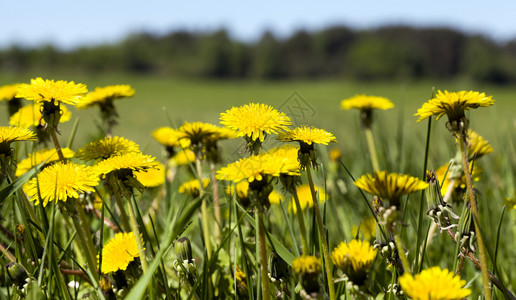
<point>69,24</point>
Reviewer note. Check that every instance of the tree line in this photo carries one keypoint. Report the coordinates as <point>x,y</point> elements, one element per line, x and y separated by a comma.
<point>383,53</point>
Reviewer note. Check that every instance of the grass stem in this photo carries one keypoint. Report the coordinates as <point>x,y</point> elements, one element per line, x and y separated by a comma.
<point>473,202</point>
<point>263,257</point>
<point>137,236</point>
<point>301,221</point>
<point>372,149</point>
<point>322,233</point>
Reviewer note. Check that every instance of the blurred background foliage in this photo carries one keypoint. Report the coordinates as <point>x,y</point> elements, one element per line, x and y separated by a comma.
<point>393,52</point>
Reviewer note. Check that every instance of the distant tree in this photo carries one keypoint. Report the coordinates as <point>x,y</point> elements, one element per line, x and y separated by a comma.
<point>268,58</point>
<point>216,54</point>
<point>442,50</point>
<point>300,55</point>
<point>137,53</point>
<point>331,47</point>
<point>485,61</point>
<point>382,53</point>
<point>372,57</point>
<point>14,58</point>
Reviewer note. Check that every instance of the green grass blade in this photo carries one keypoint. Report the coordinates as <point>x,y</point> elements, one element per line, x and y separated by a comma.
<point>281,250</point>
<point>73,133</point>
<point>419,234</point>
<point>138,290</point>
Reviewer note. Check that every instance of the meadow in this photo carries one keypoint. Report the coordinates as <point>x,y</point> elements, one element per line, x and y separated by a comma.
<point>400,144</point>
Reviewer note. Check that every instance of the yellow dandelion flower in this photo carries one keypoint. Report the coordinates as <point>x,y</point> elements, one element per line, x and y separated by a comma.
<point>275,197</point>
<point>41,90</point>
<point>8,92</point>
<point>304,195</point>
<point>335,155</point>
<point>222,133</point>
<point>166,136</point>
<point>307,138</point>
<point>453,104</point>
<point>61,181</point>
<point>119,252</point>
<point>366,227</point>
<point>244,169</point>
<point>30,115</point>
<point>356,255</point>
<point>34,159</point>
<point>9,134</point>
<point>308,135</point>
<point>364,102</point>
<point>254,120</point>
<point>256,167</point>
<point>196,133</point>
<point>126,162</point>
<point>97,202</point>
<point>434,284</point>
<point>308,268</point>
<point>193,187</point>
<point>152,177</point>
<point>106,148</point>
<point>183,157</point>
<point>390,186</point>
<point>283,158</point>
<point>477,146</point>
<point>306,264</point>
<point>105,94</point>
<point>243,187</point>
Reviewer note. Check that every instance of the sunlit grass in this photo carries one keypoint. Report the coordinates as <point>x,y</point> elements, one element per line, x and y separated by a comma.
<point>163,215</point>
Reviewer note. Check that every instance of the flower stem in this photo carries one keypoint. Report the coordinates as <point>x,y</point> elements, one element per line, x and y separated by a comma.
<point>204,209</point>
<point>476,219</point>
<point>301,220</point>
<point>460,265</point>
<point>401,252</point>
<point>53,133</point>
<point>263,257</point>
<point>322,233</point>
<point>137,236</point>
<point>85,228</point>
<point>90,261</point>
<point>372,149</point>
<point>206,227</point>
<point>216,200</point>
<point>123,213</point>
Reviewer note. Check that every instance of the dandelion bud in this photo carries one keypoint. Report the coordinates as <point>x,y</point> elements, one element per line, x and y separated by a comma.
<point>466,233</point>
<point>438,210</point>
<point>433,192</point>
<point>16,274</point>
<point>183,249</point>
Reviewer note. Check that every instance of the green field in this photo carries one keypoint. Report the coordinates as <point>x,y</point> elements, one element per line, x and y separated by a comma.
<point>400,141</point>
